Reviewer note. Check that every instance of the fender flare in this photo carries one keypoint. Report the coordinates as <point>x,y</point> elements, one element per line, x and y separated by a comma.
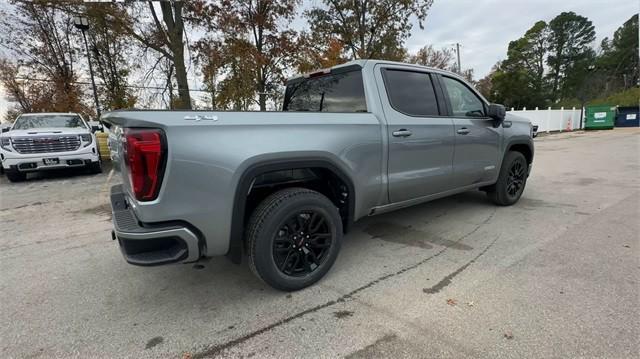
<point>236,237</point>
<point>520,141</point>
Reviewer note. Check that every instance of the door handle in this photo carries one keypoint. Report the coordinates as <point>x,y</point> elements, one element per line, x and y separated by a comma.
<point>401,133</point>
<point>463,131</point>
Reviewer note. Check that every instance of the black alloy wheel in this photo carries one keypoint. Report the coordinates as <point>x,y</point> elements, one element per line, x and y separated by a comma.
<point>302,243</point>
<point>293,238</point>
<point>512,180</point>
<point>517,176</point>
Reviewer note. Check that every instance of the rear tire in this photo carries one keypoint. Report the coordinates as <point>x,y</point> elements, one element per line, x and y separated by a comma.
<point>293,238</point>
<point>511,180</point>
<point>15,175</point>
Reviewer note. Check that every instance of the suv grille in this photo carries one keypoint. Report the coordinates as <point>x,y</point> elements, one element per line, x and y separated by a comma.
<point>46,144</point>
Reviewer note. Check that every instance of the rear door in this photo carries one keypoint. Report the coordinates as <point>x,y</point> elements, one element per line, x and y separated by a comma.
<point>477,138</point>
<point>420,137</point>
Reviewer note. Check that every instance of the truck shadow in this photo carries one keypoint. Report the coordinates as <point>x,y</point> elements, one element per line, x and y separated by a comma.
<point>228,302</point>
<point>217,286</point>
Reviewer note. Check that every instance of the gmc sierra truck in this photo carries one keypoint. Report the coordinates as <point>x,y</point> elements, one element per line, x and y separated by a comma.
<point>281,188</point>
<point>45,141</point>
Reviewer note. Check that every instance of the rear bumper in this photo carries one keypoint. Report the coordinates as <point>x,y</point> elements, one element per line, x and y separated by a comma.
<point>150,245</point>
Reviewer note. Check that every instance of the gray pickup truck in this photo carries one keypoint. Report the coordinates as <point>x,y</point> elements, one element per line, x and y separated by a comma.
<point>281,188</point>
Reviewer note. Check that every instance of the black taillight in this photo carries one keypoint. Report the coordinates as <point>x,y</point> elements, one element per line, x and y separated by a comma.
<point>145,159</point>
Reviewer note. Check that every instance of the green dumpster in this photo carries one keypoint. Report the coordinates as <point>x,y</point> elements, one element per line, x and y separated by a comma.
<point>600,117</point>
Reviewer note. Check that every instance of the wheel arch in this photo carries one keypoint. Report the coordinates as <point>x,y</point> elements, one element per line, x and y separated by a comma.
<point>524,147</point>
<point>260,167</point>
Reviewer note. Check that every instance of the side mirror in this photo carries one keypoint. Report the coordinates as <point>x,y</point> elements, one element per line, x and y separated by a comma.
<point>497,112</point>
<point>5,129</point>
<point>96,128</point>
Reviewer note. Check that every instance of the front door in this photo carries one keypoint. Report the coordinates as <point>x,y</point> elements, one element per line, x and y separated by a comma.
<point>421,141</point>
<point>477,137</point>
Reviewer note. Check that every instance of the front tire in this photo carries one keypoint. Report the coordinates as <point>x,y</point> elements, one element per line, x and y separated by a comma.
<point>15,175</point>
<point>294,237</point>
<point>95,167</point>
<point>511,180</point>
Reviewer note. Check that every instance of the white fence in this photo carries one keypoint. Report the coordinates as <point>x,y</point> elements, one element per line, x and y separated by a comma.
<point>552,120</point>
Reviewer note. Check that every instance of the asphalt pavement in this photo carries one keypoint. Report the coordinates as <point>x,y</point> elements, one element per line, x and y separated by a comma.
<point>556,275</point>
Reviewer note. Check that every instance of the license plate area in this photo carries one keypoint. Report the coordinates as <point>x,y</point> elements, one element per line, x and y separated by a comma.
<point>51,161</point>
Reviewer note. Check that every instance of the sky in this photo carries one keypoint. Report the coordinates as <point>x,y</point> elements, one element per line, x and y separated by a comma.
<point>484,28</point>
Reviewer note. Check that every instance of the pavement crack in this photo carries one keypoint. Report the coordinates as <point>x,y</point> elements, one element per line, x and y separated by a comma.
<point>23,206</point>
<point>447,280</point>
<point>218,349</point>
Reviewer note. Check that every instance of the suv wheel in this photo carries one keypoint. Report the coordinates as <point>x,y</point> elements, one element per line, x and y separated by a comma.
<point>293,237</point>
<point>511,181</point>
<point>15,175</point>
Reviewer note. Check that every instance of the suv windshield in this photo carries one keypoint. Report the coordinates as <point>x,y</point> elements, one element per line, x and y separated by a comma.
<point>337,92</point>
<point>44,121</point>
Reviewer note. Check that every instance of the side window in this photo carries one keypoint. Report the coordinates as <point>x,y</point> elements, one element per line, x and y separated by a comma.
<point>464,103</point>
<point>411,92</point>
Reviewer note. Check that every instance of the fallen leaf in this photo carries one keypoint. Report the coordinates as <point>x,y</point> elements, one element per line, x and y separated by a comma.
<point>452,302</point>
<point>508,335</point>
<point>187,355</point>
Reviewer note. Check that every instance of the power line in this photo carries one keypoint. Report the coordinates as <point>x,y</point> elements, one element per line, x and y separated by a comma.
<point>128,86</point>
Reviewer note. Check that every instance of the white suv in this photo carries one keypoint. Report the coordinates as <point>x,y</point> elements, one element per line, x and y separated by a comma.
<point>43,141</point>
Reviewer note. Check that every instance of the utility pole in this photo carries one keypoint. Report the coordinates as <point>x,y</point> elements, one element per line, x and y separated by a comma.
<point>82,23</point>
<point>458,53</point>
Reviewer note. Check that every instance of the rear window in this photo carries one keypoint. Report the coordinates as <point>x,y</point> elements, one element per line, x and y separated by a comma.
<point>340,92</point>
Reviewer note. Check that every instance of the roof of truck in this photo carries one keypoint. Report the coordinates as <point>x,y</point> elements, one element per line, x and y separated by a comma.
<point>363,62</point>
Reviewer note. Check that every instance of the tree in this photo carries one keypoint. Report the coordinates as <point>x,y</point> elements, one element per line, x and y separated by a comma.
<point>485,84</point>
<point>212,61</point>
<point>619,58</point>
<point>368,28</point>
<point>238,88</point>
<point>271,47</point>
<point>254,32</point>
<point>467,74</point>
<point>47,55</point>
<point>16,92</point>
<point>530,53</point>
<point>507,86</point>
<point>166,37</point>
<point>519,79</point>
<point>317,53</point>
<point>429,56</point>
<point>109,47</point>
<point>570,52</point>
<point>228,75</point>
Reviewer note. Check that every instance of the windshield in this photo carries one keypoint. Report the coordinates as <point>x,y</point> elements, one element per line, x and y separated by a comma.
<point>341,92</point>
<point>47,121</point>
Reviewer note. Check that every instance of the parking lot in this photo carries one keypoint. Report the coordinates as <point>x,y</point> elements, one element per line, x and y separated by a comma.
<point>556,275</point>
